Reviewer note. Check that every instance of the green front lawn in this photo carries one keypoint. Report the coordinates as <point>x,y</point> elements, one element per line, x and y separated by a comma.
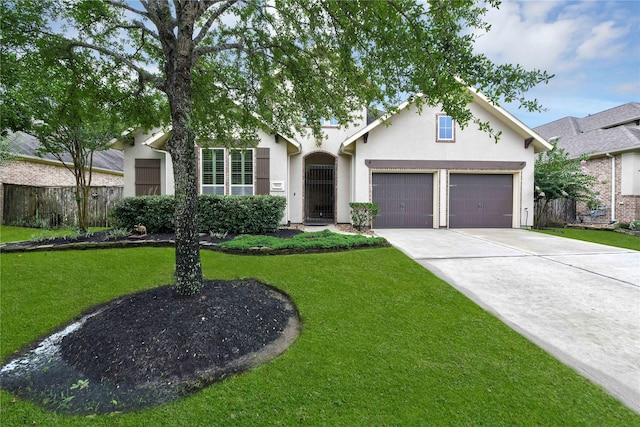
<point>604,237</point>
<point>383,342</point>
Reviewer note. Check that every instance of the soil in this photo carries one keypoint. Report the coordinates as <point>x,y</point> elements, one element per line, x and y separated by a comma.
<point>154,346</point>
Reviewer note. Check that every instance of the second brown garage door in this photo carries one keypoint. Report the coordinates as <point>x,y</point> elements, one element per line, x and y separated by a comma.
<point>405,200</point>
<point>480,201</point>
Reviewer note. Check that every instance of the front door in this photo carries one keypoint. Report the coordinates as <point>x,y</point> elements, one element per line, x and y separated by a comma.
<point>319,191</point>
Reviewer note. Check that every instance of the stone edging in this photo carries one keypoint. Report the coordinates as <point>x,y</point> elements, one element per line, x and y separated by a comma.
<point>123,244</point>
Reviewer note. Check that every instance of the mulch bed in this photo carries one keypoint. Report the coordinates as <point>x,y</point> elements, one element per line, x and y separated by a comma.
<point>152,347</point>
<point>102,240</point>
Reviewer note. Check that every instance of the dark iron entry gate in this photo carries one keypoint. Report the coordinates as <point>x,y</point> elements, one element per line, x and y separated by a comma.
<point>319,194</point>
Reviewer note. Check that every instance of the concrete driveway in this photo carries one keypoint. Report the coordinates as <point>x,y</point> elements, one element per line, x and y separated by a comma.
<point>579,301</point>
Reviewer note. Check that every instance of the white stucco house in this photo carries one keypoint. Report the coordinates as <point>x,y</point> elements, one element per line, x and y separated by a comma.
<point>423,170</point>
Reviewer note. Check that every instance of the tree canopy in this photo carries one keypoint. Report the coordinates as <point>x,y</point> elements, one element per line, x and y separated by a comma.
<point>558,176</point>
<point>231,67</point>
<point>73,102</point>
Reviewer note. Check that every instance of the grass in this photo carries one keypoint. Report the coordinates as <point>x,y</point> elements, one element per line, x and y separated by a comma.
<point>19,234</point>
<point>604,237</point>
<point>383,342</point>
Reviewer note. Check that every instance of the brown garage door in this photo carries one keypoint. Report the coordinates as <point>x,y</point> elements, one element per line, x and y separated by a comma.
<point>405,200</point>
<point>482,201</point>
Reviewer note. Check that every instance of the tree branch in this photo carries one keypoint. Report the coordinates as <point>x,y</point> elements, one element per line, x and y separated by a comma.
<point>144,28</point>
<point>127,7</point>
<point>144,74</point>
<point>219,48</point>
<point>165,23</point>
<point>214,16</point>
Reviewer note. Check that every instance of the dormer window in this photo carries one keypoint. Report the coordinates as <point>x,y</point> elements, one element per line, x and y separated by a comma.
<point>329,122</point>
<point>445,128</point>
<point>325,123</point>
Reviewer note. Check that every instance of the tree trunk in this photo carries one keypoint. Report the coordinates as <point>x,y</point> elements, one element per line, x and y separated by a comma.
<point>82,189</point>
<point>183,154</point>
<point>82,202</point>
<point>177,42</point>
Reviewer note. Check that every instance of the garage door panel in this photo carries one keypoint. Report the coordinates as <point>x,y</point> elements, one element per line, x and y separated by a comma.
<point>404,200</point>
<point>477,200</point>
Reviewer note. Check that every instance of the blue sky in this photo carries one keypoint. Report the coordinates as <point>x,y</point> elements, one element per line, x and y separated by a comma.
<point>592,46</point>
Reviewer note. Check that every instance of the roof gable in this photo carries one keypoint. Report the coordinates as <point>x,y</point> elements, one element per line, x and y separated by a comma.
<point>562,128</point>
<point>158,141</point>
<point>539,143</point>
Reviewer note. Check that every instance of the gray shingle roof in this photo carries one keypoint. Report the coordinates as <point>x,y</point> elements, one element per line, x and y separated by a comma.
<point>601,141</point>
<point>26,145</point>
<point>562,128</point>
<point>622,114</point>
<point>613,130</point>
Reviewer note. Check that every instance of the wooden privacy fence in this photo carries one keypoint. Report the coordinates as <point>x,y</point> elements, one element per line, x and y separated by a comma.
<point>56,206</point>
<point>558,212</point>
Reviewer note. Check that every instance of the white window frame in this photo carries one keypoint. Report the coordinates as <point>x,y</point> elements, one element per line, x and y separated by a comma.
<point>215,188</point>
<point>439,128</point>
<point>242,188</point>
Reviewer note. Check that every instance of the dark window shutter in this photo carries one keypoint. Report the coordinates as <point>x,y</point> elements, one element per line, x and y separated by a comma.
<point>263,182</point>
<point>147,177</point>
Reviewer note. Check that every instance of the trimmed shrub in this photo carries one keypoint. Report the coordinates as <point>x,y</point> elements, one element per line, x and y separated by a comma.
<point>155,212</point>
<point>240,214</point>
<point>305,241</point>
<point>219,214</point>
<point>362,214</point>
<point>159,214</point>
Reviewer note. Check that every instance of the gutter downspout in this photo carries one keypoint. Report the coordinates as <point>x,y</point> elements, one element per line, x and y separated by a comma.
<point>613,187</point>
<point>288,187</point>
<point>352,171</point>
<point>167,157</point>
<point>288,184</point>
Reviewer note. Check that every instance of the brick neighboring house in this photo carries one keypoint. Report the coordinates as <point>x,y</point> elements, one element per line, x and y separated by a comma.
<point>611,139</point>
<point>30,170</point>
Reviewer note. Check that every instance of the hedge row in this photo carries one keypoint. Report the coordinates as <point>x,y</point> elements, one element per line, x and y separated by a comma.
<point>230,214</point>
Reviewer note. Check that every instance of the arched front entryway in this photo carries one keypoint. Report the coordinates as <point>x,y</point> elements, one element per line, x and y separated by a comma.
<point>319,188</point>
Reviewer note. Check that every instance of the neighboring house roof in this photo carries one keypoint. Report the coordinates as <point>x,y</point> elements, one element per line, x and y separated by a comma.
<point>602,141</point>
<point>26,146</point>
<point>621,115</point>
<point>539,143</point>
<point>626,114</point>
<point>613,130</point>
<point>562,128</point>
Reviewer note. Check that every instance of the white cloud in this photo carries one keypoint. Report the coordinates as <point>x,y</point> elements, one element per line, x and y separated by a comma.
<point>520,34</point>
<point>551,35</point>
<point>591,46</point>
<point>604,43</point>
<point>629,89</point>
